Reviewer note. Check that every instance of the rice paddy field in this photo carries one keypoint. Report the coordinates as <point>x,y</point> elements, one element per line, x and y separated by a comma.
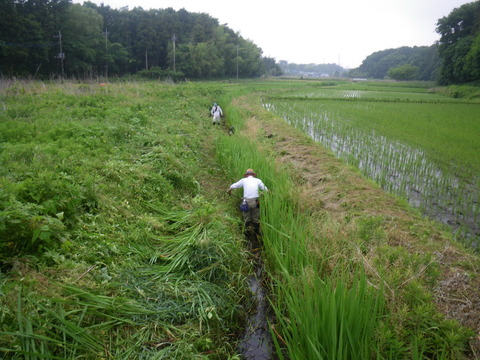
<point>416,144</point>
<point>118,239</point>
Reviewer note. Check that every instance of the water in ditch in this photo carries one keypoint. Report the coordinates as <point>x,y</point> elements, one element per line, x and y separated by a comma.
<point>256,341</point>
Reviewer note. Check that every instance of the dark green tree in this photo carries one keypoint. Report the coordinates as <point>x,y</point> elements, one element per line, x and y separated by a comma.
<point>95,39</point>
<point>83,39</point>
<point>403,72</point>
<point>458,44</point>
<point>27,35</point>
<point>271,67</point>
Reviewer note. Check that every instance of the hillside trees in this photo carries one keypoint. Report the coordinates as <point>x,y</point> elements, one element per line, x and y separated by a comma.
<point>459,44</point>
<point>310,69</point>
<point>403,72</point>
<point>101,41</point>
<point>378,64</point>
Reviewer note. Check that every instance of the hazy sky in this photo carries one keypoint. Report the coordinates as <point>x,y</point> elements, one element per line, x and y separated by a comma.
<point>344,32</point>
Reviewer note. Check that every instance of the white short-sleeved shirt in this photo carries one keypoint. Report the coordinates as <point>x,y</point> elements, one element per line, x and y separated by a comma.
<point>250,186</point>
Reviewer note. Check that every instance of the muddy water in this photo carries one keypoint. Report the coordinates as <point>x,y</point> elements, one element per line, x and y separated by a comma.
<point>256,342</point>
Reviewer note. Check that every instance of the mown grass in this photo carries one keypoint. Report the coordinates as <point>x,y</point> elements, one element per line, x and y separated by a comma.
<point>110,246</point>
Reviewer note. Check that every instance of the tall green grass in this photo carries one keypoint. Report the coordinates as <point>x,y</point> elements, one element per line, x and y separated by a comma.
<point>298,291</point>
<point>329,319</point>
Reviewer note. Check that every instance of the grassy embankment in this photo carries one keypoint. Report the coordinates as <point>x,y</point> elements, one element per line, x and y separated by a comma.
<point>126,248</point>
<point>113,241</point>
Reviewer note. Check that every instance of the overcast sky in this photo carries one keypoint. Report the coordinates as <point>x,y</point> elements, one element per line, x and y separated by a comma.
<point>344,32</point>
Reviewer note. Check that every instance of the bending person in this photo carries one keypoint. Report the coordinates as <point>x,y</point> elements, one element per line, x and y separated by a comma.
<point>251,186</point>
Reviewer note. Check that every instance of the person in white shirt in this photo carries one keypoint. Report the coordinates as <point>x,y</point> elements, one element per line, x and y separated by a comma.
<point>216,112</point>
<point>251,186</point>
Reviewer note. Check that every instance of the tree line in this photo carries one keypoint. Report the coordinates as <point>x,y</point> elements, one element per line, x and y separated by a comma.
<point>454,59</point>
<point>404,63</point>
<point>311,70</point>
<point>56,38</point>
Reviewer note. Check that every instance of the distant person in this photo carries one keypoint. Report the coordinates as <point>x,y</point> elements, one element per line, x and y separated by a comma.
<point>217,113</point>
<point>251,186</point>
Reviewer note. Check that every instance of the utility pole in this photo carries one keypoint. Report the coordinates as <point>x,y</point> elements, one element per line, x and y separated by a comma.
<point>106,54</point>
<point>237,61</point>
<point>174,38</point>
<point>61,54</point>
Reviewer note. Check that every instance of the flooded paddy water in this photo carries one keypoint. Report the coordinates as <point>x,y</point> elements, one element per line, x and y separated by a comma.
<point>397,167</point>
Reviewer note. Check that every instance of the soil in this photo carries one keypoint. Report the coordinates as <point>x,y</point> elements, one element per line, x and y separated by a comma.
<point>321,178</point>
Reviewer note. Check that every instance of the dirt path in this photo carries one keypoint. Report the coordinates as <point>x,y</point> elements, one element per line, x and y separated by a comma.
<point>327,186</point>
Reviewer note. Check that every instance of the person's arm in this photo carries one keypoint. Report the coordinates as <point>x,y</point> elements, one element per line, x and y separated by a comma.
<point>236,185</point>
<point>261,185</point>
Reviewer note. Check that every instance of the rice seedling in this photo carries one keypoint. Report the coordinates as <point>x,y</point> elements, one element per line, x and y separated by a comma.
<point>414,150</point>
<point>327,320</point>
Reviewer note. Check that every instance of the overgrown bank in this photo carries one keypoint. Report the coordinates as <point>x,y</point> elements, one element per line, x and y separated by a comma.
<point>114,241</point>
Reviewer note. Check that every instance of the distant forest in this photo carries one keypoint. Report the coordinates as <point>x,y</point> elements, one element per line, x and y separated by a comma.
<point>56,38</point>
<point>418,63</point>
<point>311,70</point>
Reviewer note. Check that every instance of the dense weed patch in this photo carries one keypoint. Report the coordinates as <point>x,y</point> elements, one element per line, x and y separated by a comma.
<point>109,245</point>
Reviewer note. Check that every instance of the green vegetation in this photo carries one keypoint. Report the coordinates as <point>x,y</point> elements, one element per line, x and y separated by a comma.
<point>110,247</point>
<point>404,72</point>
<point>117,239</point>
<point>57,38</point>
<point>418,62</point>
<point>418,145</point>
<point>459,45</point>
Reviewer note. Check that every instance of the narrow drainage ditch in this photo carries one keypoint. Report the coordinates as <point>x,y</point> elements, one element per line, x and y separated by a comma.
<point>256,341</point>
